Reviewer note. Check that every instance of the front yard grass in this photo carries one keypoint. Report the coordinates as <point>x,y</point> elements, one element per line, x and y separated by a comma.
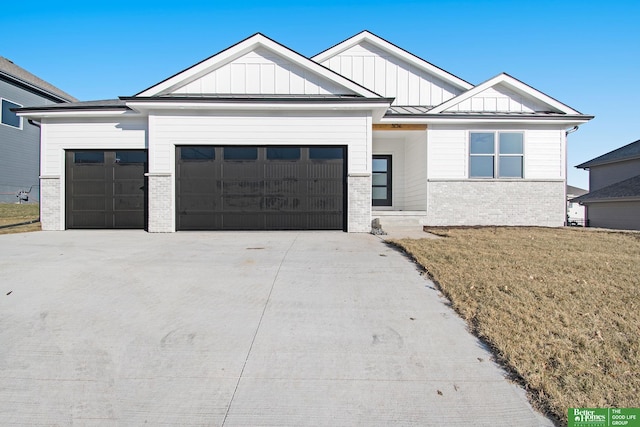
<point>560,308</point>
<point>11,213</point>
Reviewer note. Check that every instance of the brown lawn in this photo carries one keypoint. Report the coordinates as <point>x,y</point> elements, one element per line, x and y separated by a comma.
<point>559,307</point>
<point>11,213</point>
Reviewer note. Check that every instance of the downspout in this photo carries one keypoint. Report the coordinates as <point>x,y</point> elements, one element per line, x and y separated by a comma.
<point>566,170</point>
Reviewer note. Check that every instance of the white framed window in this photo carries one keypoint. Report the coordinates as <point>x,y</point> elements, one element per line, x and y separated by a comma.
<point>8,117</point>
<point>496,154</point>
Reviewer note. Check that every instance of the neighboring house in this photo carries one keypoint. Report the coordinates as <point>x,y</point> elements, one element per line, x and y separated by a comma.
<point>20,140</point>
<point>575,211</point>
<point>261,137</point>
<point>613,200</point>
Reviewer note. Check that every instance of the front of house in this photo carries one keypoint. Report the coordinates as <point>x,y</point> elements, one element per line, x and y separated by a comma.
<point>260,137</point>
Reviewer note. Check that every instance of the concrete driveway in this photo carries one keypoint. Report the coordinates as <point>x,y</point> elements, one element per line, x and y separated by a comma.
<point>236,329</point>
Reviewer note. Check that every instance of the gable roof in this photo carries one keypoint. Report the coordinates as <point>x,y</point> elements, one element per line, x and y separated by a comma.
<point>628,152</point>
<point>249,44</point>
<point>623,190</point>
<point>395,51</point>
<point>513,84</point>
<point>22,77</point>
<point>577,191</point>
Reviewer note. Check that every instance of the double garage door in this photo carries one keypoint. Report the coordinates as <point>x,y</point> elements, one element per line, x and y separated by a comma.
<point>260,188</point>
<point>217,188</point>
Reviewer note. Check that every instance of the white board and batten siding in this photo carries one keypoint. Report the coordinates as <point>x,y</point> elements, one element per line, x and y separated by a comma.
<point>352,130</point>
<point>448,152</point>
<point>391,77</point>
<point>59,135</point>
<point>260,72</point>
<point>499,98</point>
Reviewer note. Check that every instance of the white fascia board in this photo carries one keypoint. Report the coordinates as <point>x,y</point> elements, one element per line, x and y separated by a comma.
<point>75,113</point>
<point>378,109</point>
<point>245,46</point>
<point>509,81</point>
<point>394,50</point>
<point>561,122</point>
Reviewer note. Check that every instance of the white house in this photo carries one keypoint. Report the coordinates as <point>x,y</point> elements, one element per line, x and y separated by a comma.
<point>260,137</point>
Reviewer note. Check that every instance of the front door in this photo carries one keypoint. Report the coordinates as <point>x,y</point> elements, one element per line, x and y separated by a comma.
<point>381,181</point>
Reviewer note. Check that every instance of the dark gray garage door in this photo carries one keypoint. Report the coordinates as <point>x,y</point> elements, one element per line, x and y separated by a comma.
<point>106,189</point>
<point>260,188</point>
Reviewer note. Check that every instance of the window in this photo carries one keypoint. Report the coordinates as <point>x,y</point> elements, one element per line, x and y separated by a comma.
<point>88,157</point>
<point>8,117</point>
<point>240,153</point>
<point>283,153</point>
<point>381,181</point>
<point>131,157</point>
<point>496,155</point>
<point>197,153</point>
<point>326,153</point>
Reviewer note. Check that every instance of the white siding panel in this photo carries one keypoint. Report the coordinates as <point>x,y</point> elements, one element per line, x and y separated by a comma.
<point>253,78</point>
<point>238,78</point>
<point>369,72</point>
<point>100,134</point>
<point>447,154</point>
<point>415,181</point>
<point>223,80</point>
<point>500,99</point>
<point>263,72</point>
<point>544,154</point>
<point>268,79</point>
<point>391,77</point>
<point>257,129</point>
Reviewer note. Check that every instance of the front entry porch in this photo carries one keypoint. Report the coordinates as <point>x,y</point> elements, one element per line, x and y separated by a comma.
<point>399,181</point>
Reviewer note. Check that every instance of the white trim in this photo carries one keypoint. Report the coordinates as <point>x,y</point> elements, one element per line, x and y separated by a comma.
<point>496,154</point>
<point>561,121</point>
<point>19,116</point>
<point>509,81</point>
<point>395,51</point>
<point>75,113</point>
<point>378,109</point>
<point>245,46</point>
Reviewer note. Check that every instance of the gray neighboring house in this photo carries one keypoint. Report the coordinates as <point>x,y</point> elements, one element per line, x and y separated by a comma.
<point>20,140</point>
<point>614,183</point>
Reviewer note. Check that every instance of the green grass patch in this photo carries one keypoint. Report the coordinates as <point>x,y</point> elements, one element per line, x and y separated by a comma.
<point>11,213</point>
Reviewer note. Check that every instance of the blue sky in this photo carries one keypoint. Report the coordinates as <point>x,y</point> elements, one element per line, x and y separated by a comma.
<point>584,53</point>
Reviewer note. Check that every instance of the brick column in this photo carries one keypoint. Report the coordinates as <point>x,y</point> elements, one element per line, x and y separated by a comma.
<point>161,209</point>
<point>51,207</point>
<point>359,203</point>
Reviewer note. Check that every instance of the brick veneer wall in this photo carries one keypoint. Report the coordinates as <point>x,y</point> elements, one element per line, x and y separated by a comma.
<point>359,204</point>
<point>540,203</point>
<point>50,208</point>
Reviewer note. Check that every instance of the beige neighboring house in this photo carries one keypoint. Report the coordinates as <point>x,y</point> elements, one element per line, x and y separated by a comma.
<point>614,182</point>
<point>576,214</point>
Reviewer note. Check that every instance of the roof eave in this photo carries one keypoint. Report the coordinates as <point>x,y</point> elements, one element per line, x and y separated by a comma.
<point>43,92</point>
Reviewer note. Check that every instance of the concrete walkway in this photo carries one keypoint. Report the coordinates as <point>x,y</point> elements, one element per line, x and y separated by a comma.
<point>102,328</point>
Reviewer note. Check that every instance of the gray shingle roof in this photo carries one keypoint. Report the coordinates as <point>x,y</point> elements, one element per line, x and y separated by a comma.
<point>629,151</point>
<point>12,71</point>
<point>576,191</point>
<point>629,188</point>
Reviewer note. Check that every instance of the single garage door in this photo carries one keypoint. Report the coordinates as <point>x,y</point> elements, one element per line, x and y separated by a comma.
<point>106,189</point>
<point>260,188</point>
